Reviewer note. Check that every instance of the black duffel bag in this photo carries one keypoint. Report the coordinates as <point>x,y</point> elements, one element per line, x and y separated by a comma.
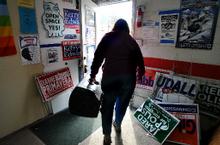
<point>85,99</point>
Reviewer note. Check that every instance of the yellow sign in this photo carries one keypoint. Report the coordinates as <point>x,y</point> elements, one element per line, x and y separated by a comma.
<point>26,3</point>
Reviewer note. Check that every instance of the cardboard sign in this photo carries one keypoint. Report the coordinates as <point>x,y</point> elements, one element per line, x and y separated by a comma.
<point>187,131</point>
<point>52,83</point>
<point>175,89</point>
<point>208,98</point>
<point>155,120</point>
<point>71,49</point>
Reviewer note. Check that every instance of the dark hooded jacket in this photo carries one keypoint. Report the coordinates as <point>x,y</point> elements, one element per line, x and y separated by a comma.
<point>120,53</point>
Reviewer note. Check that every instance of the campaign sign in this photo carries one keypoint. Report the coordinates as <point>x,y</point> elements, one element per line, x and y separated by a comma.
<point>155,120</point>
<point>175,89</point>
<point>71,49</point>
<point>149,77</point>
<point>187,131</point>
<point>208,98</point>
<point>71,18</point>
<point>52,83</point>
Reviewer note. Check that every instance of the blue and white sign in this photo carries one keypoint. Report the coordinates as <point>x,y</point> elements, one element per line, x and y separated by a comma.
<point>168,26</point>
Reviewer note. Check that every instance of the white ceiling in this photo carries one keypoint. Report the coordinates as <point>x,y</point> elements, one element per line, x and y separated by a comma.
<point>108,2</point>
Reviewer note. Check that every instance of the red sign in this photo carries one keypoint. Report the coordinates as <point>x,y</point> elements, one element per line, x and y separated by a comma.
<point>52,83</point>
<point>187,131</point>
<point>149,77</point>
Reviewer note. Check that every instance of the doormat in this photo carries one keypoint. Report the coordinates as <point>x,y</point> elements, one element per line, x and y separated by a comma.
<point>65,129</point>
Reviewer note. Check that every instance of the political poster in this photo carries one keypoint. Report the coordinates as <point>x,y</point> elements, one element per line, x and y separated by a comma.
<point>175,89</point>
<point>51,83</point>
<point>147,81</point>
<point>187,131</point>
<point>155,120</point>
<point>197,24</point>
<point>208,98</point>
<point>168,26</point>
<point>30,49</point>
<point>52,20</point>
<point>71,18</point>
<point>71,49</point>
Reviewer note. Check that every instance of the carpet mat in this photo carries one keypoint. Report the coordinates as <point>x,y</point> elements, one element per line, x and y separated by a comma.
<point>65,128</point>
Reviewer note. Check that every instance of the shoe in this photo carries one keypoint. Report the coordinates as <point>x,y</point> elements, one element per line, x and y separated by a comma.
<point>107,140</point>
<point>117,127</point>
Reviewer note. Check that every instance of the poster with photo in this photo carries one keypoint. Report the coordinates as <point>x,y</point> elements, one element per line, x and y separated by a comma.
<point>29,49</point>
<point>187,131</point>
<point>168,26</point>
<point>52,55</point>
<point>71,49</point>
<point>197,24</point>
<point>208,98</point>
<point>175,89</point>
<point>51,83</point>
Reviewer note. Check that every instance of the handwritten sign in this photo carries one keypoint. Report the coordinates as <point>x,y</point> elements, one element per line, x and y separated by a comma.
<point>52,20</point>
<point>155,120</point>
<point>52,83</point>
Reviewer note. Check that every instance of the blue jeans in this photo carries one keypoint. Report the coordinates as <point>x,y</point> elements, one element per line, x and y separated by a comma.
<point>120,88</point>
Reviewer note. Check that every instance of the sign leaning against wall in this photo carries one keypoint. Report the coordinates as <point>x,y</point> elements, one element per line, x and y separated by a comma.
<point>197,24</point>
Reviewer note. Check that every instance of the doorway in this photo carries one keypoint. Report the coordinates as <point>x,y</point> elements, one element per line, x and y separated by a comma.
<point>104,16</point>
<point>109,14</point>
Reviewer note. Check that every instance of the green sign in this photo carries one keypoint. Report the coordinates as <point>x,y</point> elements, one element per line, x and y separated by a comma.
<point>155,120</point>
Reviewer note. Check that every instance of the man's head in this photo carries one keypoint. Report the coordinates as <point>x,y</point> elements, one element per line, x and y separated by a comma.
<point>121,26</point>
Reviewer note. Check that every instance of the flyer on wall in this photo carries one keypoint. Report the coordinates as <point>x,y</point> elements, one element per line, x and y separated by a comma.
<point>168,26</point>
<point>30,49</point>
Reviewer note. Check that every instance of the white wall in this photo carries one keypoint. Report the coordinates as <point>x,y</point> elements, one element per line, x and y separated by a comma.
<point>20,101</point>
<point>152,8</point>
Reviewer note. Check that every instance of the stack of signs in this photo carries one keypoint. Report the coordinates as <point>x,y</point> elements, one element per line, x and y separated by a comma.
<point>149,77</point>
<point>208,98</point>
<point>52,83</point>
<point>156,120</point>
<point>174,89</point>
<point>187,131</point>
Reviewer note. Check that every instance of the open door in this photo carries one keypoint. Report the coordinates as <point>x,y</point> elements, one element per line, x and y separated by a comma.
<point>88,34</point>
